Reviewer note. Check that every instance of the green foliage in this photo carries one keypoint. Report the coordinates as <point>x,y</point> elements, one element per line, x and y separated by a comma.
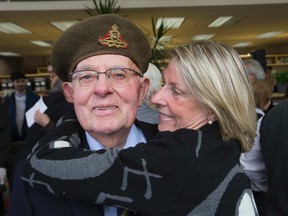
<point>158,44</point>
<point>281,77</point>
<point>103,7</point>
<point>158,34</point>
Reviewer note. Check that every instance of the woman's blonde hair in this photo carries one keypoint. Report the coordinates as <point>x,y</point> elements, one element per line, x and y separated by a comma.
<point>216,76</point>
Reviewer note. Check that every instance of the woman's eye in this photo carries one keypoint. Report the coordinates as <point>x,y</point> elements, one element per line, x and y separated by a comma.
<point>176,92</point>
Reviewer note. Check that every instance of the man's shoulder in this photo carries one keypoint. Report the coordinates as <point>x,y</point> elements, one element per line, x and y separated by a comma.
<point>277,115</point>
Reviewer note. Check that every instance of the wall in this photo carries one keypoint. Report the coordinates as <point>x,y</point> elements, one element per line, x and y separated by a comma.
<point>22,64</point>
<point>9,64</point>
<point>30,64</point>
<point>276,49</point>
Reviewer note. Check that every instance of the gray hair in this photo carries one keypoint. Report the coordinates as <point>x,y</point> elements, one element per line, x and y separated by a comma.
<point>155,77</point>
<point>254,67</point>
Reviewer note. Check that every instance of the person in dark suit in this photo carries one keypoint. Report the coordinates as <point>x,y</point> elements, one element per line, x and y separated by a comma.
<point>5,145</point>
<point>118,48</point>
<point>274,144</point>
<point>252,161</point>
<point>18,103</point>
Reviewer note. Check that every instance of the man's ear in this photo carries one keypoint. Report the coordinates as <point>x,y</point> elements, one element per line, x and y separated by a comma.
<point>68,92</point>
<point>144,87</point>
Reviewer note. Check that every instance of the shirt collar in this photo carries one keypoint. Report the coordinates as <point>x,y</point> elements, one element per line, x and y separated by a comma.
<point>135,136</point>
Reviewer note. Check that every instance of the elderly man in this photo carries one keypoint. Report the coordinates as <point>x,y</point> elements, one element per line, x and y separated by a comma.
<point>101,61</point>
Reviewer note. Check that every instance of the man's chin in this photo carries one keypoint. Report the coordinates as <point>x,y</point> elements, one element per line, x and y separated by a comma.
<point>105,128</point>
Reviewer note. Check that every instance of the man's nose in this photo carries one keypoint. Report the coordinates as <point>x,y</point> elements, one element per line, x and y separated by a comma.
<point>101,85</point>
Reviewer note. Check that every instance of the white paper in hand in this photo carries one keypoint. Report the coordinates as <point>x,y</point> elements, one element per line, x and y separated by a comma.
<point>39,105</point>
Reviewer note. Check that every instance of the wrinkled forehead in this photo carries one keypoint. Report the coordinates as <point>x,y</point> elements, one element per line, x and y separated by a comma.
<point>106,61</point>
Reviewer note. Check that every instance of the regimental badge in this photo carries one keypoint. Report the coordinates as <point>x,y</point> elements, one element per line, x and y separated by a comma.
<point>113,38</point>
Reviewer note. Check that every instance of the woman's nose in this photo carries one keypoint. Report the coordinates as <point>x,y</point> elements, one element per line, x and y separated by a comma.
<point>158,97</point>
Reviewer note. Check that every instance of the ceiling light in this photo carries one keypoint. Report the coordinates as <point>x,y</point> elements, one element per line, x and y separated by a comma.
<point>9,54</point>
<point>220,21</point>
<point>171,22</point>
<point>11,28</point>
<point>203,36</point>
<point>63,25</point>
<point>41,43</point>
<point>268,34</point>
<point>242,44</point>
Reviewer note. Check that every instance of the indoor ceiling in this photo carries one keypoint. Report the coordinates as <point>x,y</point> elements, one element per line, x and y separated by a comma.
<point>254,19</point>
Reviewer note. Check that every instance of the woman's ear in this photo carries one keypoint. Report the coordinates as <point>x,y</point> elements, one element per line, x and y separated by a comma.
<point>144,87</point>
<point>68,92</point>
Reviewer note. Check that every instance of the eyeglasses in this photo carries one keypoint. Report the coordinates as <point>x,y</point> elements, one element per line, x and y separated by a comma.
<point>115,76</point>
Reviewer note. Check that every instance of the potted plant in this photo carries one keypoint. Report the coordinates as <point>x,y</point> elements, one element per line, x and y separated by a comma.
<point>282,80</point>
<point>158,43</point>
<point>103,7</point>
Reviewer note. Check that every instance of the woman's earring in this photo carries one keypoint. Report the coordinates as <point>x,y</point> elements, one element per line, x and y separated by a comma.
<point>210,122</point>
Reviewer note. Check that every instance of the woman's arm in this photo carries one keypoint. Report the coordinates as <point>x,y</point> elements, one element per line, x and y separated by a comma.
<point>132,178</point>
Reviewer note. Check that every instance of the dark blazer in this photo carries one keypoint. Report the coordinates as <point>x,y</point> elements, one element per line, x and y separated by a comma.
<point>274,145</point>
<point>26,201</point>
<point>31,99</point>
<point>17,140</point>
<point>5,136</point>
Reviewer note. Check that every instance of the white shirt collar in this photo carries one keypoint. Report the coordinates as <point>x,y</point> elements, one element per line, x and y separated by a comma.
<point>135,136</point>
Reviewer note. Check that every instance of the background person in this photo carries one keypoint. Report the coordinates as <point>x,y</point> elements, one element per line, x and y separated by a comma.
<point>57,106</point>
<point>190,168</point>
<point>55,82</point>
<point>252,161</point>
<point>5,145</point>
<point>106,88</point>
<point>21,100</point>
<point>254,70</point>
<point>269,77</point>
<point>273,141</point>
<point>147,112</point>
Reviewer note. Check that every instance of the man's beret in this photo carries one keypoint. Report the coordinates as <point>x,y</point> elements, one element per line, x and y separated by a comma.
<point>102,34</point>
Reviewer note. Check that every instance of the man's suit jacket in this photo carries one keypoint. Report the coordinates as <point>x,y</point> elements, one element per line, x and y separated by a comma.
<point>26,201</point>
<point>9,101</point>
